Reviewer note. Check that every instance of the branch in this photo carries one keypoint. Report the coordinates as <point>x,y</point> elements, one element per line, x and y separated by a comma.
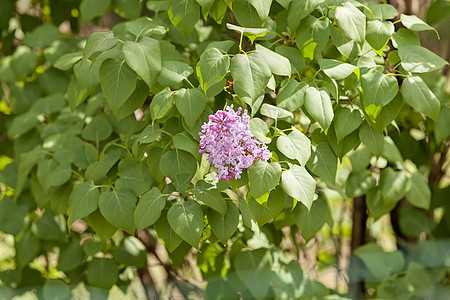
<point>356,286</point>
<point>172,275</point>
<point>436,171</point>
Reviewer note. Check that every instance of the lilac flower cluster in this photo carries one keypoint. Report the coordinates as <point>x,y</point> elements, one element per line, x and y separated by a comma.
<point>230,143</point>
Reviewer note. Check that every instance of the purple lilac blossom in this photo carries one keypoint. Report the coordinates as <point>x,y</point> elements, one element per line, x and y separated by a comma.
<point>231,146</point>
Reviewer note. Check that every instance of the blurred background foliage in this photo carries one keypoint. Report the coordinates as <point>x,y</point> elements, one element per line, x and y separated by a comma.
<point>351,244</point>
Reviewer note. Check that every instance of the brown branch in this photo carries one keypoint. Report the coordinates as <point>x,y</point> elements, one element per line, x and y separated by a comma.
<point>436,171</point>
<point>147,283</point>
<point>173,276</point>
<point>356,285</point>
<point>3,137</point>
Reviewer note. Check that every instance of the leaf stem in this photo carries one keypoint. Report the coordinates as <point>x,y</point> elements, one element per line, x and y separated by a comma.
<point>187,80</point>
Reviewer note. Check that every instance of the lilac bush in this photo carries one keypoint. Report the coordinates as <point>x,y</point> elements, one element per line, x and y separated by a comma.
<point>231,146</point>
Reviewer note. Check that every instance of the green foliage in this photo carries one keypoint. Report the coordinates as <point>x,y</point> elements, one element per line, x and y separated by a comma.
<point>100,156</point>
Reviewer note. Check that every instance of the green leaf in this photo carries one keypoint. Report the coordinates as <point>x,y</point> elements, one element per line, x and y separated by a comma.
<point>206,6</point>
<point>291,95</point>
<point>246,14</point>
<point>173,72</point>
<point>26,162</point>
<point>50,173</point>
<point>318,105</point>
<point>186,219</point>
<point>265,212</point>
<point>66,61</point>
<point>251,75</point>
<point>383,11</point>
<point>442,126</point>
<point>417,59</point>
<point>71,256</point>
<point>50,227</point>
<point>391,152</point>
<point>336,69</point>
<point>372,139</point>
<point>102,273</point>
<point>185,141</point>
<point>42,36</point>
<point>218,10</point>
<point>207,195</point>
<point>225,225</point>
<point>437,11</point>
<point>251,33</point>
<point>83,201</point>
<point>378,34</point>
<point>405,37</point>
<point>99,169</point>
<point>98,42</point>
<point>274,112</point>
<point>76,93</point>
<point>359,184</point>
<point>97,130</point>
<point>92,247</point>
<point>91,9</point>
<point>263,177</point>
<point>134,102</point>
<point>278,64</point>
<point>379,89</point>
<point>27,249</point>
<point>298,184</point>
<point>131,252</point>
<point>416,93</point>
<point>145,27</point>
<point>310,222</point>
<point>299,10</point>
<point>118,208</point>
<point>12,216</point>
<point>190,103</point>
<point>149,208</point>
<point>259,129</point>
<point>180,166</point>
<point>360,158</point>
<point>102,228</point>
<point>376,205</point>
<point>388,114</point>
<point>55,289</point>
<point>144,57</point>
<point>294,56</point>
<point>295,145</point>
<point>134,176</point>
<point>161,104</point>
<point>419,194</point>
<point>413,222</point>
<point>150,134</point>
<point>254,270</point>
<point>23,61</point>
<point>345,45</point>
<point>352,22</point>
<point>165,233</point>
<point>379,263</point>
<point>415,24</point>
<point>118,82</point>
<point>87,73</point>
<point>323,162</point>
<point>312,35</point>
<point>262,7</point>
<point>394,185</point>
<point>346,121</point>
<point>184,14</point>
<point>212,67</point>
<point>129,9</point>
